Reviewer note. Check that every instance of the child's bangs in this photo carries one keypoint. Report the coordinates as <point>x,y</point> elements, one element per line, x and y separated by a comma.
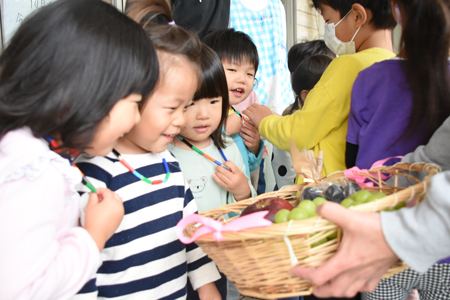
<point>240,58</point>
<point>213,84</point>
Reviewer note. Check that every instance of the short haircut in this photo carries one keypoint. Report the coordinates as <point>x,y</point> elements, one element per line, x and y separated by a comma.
<point>214,84</point>
<point>233,46</point>
<point>305,49</point>
<point>66,67</point>
<point>306,76</point>
<point>381,10</point>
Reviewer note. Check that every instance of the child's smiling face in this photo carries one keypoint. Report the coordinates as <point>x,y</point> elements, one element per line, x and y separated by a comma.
<point>203,118</point>
<point>240,79</point>
<point>164,113</point>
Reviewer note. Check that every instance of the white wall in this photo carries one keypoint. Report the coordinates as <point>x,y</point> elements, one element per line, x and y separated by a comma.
<point>310,24</point>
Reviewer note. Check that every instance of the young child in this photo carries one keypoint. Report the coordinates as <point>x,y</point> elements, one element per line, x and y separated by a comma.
<point>240,61</point>
<point>212,185</point>
<point>303,50</point>
<point>397,104</point>
<point>144,259</point>
<point>353,26</point>
<point>60,91</point>
<point>408,97</point>
<point>304,79</point>
<point>265,23</point>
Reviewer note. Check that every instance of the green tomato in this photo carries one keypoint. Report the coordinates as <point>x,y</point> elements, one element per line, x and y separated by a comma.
<point>319,242</point>
<point>375,196</point>
<point>319,200</point>
<point>282,216</point>
<point>309,207</point>
<point>400,205</point>
<point>298,214</point>
<point>347,202</point>
<point>361,196</point>
<point>333,236</point>
<point>355,203</point>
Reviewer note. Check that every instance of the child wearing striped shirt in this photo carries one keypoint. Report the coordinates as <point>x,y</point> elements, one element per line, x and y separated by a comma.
<point>144,258</point>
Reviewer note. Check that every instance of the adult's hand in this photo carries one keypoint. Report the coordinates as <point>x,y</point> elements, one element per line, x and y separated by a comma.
<point>361,260</point>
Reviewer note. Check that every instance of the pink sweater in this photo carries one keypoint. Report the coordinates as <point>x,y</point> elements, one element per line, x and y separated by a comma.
<point>251,99</point>
<point>43,253</point>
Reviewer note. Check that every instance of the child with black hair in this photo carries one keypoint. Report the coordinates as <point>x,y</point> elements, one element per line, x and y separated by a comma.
<point>305,77</point>
<point>144,258</point>
<point>206,117</point>
<point>212,185</point>
<point>60,93</point>
<point>305,49</point>
<point>359,31</point>
<point>240,61</point>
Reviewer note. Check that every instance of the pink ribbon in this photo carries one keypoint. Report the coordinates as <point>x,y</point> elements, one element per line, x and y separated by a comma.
<point>352,173</point>
<point>359,179</point>
<point>209,225</point>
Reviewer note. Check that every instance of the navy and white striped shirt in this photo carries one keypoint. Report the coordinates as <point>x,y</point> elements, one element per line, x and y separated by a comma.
<point>144,258</point>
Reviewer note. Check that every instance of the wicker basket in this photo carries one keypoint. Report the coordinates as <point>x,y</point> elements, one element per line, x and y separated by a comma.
<point>258,260</point>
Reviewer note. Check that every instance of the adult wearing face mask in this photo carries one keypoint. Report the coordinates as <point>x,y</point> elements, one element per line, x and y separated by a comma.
<point>360,32</point>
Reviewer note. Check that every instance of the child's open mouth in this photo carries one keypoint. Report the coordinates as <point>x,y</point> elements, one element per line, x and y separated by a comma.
<point>238,92</point>
<point>169,136</point>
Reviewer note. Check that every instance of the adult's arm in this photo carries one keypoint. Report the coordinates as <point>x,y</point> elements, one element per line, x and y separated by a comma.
<point>420,235</point>
<point>372,242</point>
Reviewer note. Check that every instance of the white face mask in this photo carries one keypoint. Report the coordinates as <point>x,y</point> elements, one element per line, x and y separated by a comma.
<point>336,45</point>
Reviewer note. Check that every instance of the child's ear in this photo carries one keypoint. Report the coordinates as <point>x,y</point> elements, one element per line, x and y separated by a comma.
<point>360,15</point>
<point>303,94</point>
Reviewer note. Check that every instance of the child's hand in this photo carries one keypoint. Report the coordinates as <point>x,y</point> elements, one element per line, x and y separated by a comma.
<point>257,112</point>
<point>234,124</point>
<point>251,136</point>
<point>265,151</point>
<point>209,292</point>
<point>104,212</point>
<point>235,182</point>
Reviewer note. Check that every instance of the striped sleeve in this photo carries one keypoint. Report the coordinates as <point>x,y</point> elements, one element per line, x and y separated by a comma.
<point>201,269</point>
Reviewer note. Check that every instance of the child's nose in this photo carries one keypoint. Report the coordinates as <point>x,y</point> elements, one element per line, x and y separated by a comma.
<point>180,119</point>
<point>202,113</point>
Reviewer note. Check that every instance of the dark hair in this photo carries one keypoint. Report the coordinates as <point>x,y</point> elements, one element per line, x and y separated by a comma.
<point>305,49</point>
<point>306,76</point>
<point>154,16</point>
<point>381,10</point>
<point>232,46</point>
<point>67,65</point>
<point>214,84</point>
<point>425,39</point>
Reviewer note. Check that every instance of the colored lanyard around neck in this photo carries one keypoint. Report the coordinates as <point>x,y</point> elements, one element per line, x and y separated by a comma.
<point>139,175</point>
<point>239,114</point>
<point>206,155</point>
<point>55,147</point>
